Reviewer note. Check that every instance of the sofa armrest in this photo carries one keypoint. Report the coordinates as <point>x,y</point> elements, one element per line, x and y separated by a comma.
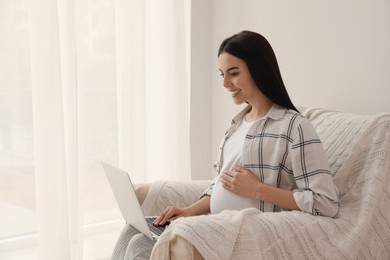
<point>141,191</point>
<point>181,248</point>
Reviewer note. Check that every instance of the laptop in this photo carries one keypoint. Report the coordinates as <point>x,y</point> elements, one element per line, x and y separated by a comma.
<point>127,201</point>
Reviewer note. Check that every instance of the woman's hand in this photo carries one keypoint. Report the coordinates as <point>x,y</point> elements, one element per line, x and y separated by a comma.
<point>201,206</point>
<point>170,214</point>
<point>241,181</point>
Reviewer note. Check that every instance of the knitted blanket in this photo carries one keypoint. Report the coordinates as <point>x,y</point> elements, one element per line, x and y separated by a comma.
<point>358,149</point>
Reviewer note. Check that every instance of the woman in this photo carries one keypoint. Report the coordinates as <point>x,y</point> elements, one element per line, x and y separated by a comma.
<point>271,157</point>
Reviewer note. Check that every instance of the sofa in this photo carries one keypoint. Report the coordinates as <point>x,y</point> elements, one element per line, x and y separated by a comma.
<point>358,150</point>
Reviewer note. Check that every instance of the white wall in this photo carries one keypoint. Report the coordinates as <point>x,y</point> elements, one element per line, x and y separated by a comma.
<point>201,89</point>
<point>333,54</point>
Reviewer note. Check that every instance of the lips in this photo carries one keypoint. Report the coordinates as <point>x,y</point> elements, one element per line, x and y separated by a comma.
<point>235,92</point>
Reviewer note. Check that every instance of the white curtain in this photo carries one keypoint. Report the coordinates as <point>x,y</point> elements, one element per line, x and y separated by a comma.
<point>153,102</point>
<point>120,96</point>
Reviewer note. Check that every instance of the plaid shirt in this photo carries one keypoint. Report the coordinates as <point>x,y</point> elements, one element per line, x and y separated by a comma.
<point>283,150</point>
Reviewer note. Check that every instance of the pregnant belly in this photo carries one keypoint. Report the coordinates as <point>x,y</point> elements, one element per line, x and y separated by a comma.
<point>222,199</point>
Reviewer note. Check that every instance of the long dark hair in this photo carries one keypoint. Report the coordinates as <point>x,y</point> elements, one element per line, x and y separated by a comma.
<point>260,58</point>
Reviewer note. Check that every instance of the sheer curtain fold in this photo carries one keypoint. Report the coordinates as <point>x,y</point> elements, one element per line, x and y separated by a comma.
<point>68,64</point>
<point>167,125</point>
<point>130,71</point>
<point>54,209</point>
<point>152,105</point>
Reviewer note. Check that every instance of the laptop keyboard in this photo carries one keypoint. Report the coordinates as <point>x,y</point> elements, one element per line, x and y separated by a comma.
<point>155,229</point>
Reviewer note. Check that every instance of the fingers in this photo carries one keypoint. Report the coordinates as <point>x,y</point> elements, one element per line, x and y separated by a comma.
<point>227,180</point>
<point>226,186</point>
<point>234,171</point>
<point>167,215</point>
<point>239,168</point>
<point>164,219</point>
<point>160,218</point>
<point>228,176</point>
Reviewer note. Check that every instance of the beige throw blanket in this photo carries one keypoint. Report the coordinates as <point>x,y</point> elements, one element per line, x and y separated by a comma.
<point>358,148</point>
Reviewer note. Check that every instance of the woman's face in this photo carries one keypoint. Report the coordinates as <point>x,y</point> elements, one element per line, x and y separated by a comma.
<point>237,79</point>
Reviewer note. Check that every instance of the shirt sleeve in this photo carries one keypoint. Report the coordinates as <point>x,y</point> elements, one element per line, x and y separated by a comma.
<point>316,192</point>
<point>208,191</point>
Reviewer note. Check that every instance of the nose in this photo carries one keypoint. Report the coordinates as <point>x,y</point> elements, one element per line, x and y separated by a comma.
<point>226,81</point>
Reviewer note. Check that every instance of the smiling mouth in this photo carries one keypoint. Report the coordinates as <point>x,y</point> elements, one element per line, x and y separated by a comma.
<point>235,93</point>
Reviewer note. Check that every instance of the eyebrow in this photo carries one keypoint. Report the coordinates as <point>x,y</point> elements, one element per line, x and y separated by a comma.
<point>229,69</point>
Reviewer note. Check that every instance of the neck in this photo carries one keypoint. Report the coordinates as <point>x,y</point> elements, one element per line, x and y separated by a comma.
<point>258,111</point>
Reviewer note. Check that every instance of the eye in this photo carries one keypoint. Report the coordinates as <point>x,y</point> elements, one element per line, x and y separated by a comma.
<point>233,74</point>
